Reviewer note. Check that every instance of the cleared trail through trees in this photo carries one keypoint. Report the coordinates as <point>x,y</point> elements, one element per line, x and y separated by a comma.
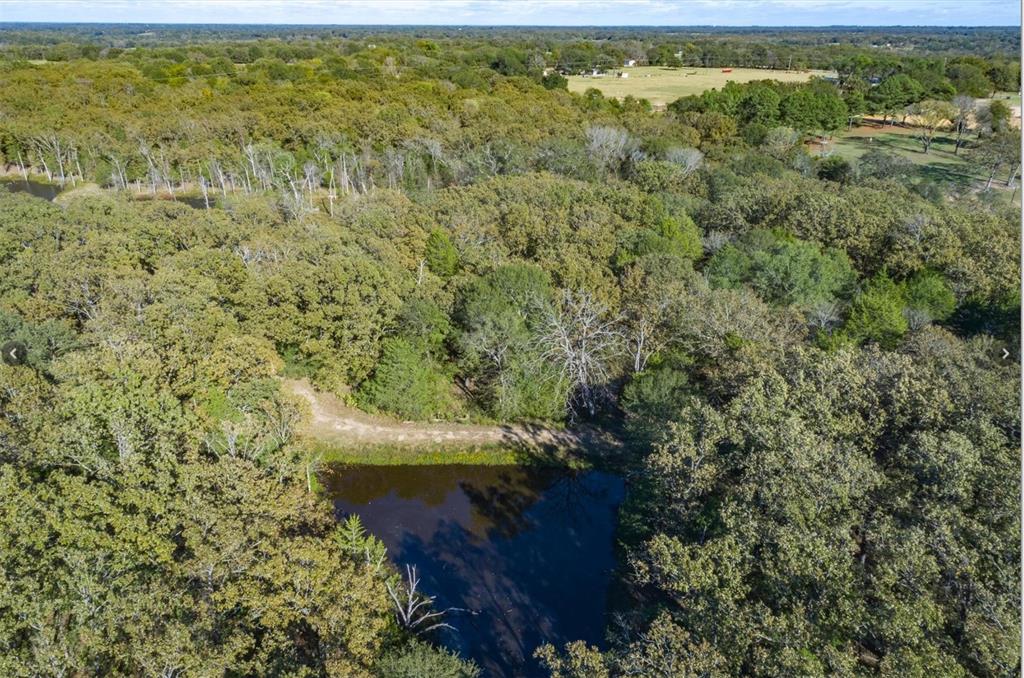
<point>332,421</point>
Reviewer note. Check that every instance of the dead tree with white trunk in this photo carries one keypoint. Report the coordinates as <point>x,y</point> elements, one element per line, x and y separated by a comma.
<point>414,610</point>
<point>609,147</point>
<point>581,339</point>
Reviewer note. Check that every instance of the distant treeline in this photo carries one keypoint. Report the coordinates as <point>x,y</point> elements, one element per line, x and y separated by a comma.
<point>707,45</point>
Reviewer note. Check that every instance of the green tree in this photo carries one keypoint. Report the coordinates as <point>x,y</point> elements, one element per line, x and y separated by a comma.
<point>782,270</point>
<point>879,164</point>
<point>408,383</point>
<point>894,94</point>
<point>881,452</point>
<point>969,79</point>
<point>876,314</point>
<point>929,295</point>
<point>442,257</point>
<point>760,105</point>
<point>578,660</point>
<point>418,659</point>
<point>931,115</point>
<point>555,81</point>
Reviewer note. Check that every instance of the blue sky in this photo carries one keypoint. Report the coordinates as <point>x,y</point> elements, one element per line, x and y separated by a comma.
<point>525,12</point>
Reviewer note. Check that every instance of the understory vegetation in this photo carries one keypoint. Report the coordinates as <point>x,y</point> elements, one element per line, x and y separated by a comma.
<point>802,354</point>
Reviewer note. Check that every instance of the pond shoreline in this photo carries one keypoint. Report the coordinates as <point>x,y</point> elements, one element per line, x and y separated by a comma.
<point>432,455</point>
<point>49,190</point>
<point>519,556</point>
<point>337,432</point>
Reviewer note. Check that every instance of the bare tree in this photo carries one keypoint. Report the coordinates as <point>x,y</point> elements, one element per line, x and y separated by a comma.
<point>394,163</point>
<point>435,151</point>
<point>996,152</point>
<point>22,168</point>
<point>60,150</point>
<point>916,228</point>
<point>579,338</point>
<point>688,160</point>
<point>353,172</point>
<point>249,151</point>
<point>433,155</point>
<point>780,141</point>
<point>715,240</point>
<point>825,316</point>
<point>118,171</point>
<point>311,176</point>
<point>965,107</point>
<point>205,190</point>
<point>159,167</point>
<point>916,318</point>
<point>648,309</point>
<point>609,146</point>
<point>412,608</point>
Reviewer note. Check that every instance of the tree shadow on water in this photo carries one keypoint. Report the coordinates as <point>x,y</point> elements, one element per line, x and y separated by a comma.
<point>539,573</point>
<point>501,623</point>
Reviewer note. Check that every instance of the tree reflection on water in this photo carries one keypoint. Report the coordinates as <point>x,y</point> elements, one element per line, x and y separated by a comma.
<point>527,550</point>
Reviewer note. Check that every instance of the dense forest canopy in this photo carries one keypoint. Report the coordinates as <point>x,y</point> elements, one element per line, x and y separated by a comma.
<point>978,40</point>
<point>805,355</point>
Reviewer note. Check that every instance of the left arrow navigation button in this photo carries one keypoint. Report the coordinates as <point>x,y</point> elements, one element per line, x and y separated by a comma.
<point>14,353</point>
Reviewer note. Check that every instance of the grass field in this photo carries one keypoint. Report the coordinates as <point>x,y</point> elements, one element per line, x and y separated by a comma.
<point>1011,98</point>
<point>661,85</point>
<point>939,164</point>
<point>431,455</point>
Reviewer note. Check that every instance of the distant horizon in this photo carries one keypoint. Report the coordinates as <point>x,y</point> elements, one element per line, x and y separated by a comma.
<point>524,13</point>
<point>384,25</point>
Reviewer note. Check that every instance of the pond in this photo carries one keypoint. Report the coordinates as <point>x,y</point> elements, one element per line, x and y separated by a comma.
<point>40,189</point>
<point>47,191</point>
<point>526,552</point>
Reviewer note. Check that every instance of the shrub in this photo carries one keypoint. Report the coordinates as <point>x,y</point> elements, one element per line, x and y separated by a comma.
<point>782,270</point>
<point>420,660</point>
<point>877,314</point>
<point>652,398</point>
<point>834,168</point>
<point>929,292</point>
<point>442,257</point>
<point>407,382</point>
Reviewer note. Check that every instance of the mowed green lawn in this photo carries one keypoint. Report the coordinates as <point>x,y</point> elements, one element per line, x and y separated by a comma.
<point>1009,98</point>
<point>939,160</point>
<point>939,164</point>
<point>661,85</point>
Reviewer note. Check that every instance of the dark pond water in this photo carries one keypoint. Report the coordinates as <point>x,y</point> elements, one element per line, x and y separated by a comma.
<point>529,551</point>
<point>40,189</point>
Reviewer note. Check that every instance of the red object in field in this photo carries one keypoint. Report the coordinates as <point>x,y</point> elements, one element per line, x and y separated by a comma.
<point>727,70</point>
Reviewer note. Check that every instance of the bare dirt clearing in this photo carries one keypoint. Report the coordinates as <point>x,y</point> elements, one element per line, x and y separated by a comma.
<point>334,422</point>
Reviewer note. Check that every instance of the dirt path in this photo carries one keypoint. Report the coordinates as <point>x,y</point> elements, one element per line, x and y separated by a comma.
<point>334,421</point>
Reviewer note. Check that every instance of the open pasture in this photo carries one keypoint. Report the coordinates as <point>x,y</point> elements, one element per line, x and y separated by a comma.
<point>663,85</point>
